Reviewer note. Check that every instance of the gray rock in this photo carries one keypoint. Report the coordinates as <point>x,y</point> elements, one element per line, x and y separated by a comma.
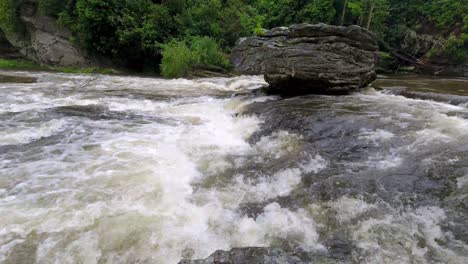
<point>307,58</point>
<point>456,70</point>
<point>7,51</point>
<point>418,45</point>
<point>255,255</point>
<point>44,41</point>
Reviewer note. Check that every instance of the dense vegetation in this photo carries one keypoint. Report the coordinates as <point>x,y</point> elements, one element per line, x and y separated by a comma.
<point>183,34</point>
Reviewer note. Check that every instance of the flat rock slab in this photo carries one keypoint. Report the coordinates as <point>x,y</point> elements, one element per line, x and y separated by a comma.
<point>310,59</point>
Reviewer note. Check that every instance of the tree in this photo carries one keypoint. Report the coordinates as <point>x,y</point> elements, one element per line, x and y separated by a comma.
<point>317,11</point>
<point>371,14</point>
<point>343,12</point>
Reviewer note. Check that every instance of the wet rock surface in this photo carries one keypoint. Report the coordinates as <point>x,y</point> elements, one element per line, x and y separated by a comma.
<point>259,255</point>
<point>310,59</point>
<point>385,167</point>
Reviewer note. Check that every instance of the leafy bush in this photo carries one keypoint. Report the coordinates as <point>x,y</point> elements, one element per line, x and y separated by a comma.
<point>277,12</point>
<point>20,65</point>
<point>176,59</point>
<point>9,21</point>
<point>454,48</point>
<point>54,7</point>
<point>225,21</point>
<point>132,33</point>
<point>446,12</point>
<point>317,11</point>
<point>113,28</point>
<point>179,57</point>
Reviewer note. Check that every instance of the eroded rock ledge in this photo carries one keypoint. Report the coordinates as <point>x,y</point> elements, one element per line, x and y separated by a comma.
<point>305,58</point>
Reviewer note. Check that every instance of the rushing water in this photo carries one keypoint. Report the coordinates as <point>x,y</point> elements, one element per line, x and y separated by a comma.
<point>102,169</point>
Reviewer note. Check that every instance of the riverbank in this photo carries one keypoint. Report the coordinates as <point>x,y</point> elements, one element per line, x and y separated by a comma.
<point>21,64</point>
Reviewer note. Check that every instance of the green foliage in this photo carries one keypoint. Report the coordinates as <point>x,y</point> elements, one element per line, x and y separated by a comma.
<point>29,65</point>
<point>384,55</point>
<point>454,48</point>
<point>121,30</point>
<point>317,11</point>
<point>371,14</point>
<point>53,7</point>
<point>465,22</point>
<point>225,21</point>
<point>179,57</point>
<point>277,12</point>
<point>158,26</point>
<point>446,12</point>
<point>9,21</point>
<point>19,65</point>
<point>139,33</point>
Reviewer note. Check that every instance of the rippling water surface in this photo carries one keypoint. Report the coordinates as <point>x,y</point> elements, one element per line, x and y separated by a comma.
<point>106,169</point>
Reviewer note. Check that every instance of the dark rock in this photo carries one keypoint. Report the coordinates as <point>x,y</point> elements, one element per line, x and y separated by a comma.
<point>42,40</point>
<point>456,70</point>
<point>334,135</point>
<point>7,51</point>
<point>306,58</point>
<point>16,79</point>
<point>258,255</point>
<point>418,45</point>
<point>339,247</point>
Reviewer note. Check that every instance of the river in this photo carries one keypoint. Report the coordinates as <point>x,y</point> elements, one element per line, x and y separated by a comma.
<point>118,169</point>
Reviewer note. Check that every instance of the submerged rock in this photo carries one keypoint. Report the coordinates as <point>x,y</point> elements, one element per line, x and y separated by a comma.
<point>304,58</point>
<point>16,79</point>
<point>257,255</point>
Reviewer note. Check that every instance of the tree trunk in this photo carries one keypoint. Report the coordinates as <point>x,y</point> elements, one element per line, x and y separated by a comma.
<point>371,13</point>
<point>343,13</point>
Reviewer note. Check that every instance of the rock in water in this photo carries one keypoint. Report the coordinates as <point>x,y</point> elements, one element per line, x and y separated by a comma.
<point>262,255</point>
<point>310,59</point>
<point>248,255</point>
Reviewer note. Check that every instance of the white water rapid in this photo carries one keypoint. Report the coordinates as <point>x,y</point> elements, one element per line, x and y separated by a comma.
<point>108,169</point>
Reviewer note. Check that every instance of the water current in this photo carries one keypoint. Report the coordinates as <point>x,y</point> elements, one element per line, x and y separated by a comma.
<point>118,169</point>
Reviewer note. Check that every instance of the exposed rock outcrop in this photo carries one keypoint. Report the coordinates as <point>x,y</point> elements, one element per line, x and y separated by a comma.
<point>42,40</point>
<point>308,58</point>
<point>418,45</point>
<point>415,54</point>
<point>258,255</point>
<point>7,51</point>
<point>455,70</point>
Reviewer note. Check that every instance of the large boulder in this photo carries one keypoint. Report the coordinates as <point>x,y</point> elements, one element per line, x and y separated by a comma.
<point>42,40</point>
<point>307,58</point>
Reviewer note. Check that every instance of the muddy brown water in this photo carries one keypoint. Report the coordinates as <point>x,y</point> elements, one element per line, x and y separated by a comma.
<point>115,169</point>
